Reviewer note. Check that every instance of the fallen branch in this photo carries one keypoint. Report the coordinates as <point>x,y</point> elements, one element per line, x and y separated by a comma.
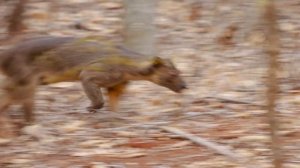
<point>138,125</point>
<point>227,100</point>
<point>201,141</point>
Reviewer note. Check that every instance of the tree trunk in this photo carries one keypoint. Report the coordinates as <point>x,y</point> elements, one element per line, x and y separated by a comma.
<point>139,27</point>
<point>16,18</point>
<point>272,50</point>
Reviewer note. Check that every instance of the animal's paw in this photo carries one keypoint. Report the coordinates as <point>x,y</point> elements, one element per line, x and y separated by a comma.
<point>94,108</point>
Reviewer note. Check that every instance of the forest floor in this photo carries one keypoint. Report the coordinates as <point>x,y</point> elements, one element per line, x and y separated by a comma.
<point>225,102</point>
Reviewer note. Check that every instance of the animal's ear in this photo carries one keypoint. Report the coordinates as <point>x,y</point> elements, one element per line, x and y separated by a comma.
<point>157,62</point>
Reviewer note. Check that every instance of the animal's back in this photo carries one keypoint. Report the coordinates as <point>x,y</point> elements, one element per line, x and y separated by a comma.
<point>25,52</point>
<point>81,52</point>
<point>66,62</point>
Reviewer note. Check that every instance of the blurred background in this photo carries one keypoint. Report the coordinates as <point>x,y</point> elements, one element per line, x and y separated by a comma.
<point>219,47</point>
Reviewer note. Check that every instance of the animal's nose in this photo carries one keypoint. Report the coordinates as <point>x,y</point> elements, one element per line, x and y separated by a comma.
<point>183,86</point>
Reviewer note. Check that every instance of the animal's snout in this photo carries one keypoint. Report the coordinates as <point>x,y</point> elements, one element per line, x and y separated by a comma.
<point>183,86</point>
<point>180,87</point>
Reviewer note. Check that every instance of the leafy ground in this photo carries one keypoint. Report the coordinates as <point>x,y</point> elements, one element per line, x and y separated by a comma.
<point>217,47</point>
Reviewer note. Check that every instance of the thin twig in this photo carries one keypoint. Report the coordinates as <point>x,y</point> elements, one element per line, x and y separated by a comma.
<point>223,99</point>
<point>202,141</point>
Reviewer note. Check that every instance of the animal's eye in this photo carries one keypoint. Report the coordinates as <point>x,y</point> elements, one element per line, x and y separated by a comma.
<point>169,80</point>
<point>174,74</point>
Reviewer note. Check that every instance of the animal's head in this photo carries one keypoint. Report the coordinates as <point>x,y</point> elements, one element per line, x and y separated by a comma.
<point>164,73</point>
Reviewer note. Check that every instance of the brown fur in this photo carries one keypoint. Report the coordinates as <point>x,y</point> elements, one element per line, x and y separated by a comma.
<point>97,65</point>
<point>17,65</point>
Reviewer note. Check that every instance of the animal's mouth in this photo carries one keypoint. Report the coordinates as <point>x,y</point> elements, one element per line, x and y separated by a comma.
<point>180,89</point>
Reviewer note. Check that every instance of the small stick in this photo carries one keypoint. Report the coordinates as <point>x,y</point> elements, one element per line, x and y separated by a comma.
<point>201,141</point>
<point>234,101</point>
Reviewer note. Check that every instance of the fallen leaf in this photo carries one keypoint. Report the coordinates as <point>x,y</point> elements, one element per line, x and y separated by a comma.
<point>73,126</point>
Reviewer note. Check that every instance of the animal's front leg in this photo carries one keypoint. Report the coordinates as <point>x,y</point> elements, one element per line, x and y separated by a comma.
<point>92,90</point>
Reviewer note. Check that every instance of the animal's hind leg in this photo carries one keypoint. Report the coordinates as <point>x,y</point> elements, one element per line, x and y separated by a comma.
<point>6,127</point>
<point>28,102</point>
<point>4,103</point>
<point>28,107</point>
<point>23,93</point>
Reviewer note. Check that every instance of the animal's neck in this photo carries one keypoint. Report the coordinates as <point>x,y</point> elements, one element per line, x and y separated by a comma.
<point>132,68</point>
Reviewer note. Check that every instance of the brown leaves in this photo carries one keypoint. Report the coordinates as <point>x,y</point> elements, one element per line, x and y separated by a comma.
<point>142,143</point>
<point>227,36</point>
<point>195,13</point>
<point>224,102</point>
